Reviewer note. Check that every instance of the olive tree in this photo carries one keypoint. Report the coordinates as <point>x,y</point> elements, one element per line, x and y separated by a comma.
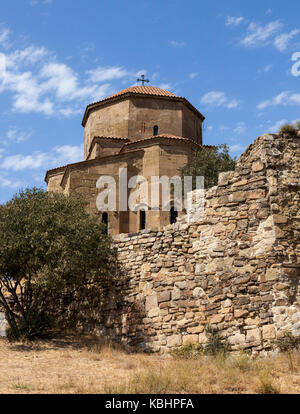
<point>54,257</point>
<point>208,162</point>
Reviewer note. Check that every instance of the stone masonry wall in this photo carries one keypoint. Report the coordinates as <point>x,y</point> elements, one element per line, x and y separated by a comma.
<point>237,269</point>
<point>2,325</point>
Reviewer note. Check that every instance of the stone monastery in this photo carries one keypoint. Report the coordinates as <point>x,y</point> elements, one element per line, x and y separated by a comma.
<point>237,268</point>
<point>149,131</point>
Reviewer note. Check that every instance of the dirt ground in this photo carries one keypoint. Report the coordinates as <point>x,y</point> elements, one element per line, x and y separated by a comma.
<point>80,365</point>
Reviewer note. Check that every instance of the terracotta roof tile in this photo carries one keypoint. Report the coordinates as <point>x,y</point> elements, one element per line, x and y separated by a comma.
<point>111,138</point>
<point>145,90</point>
<point>166,136</point>
<point>139,90</point>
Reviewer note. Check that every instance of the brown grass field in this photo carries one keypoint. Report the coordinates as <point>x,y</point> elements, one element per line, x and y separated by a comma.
<point>84,365</point>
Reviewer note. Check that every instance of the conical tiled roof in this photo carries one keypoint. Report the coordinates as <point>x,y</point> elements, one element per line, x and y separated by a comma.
<point>141,91</point>
<point>144,90</point>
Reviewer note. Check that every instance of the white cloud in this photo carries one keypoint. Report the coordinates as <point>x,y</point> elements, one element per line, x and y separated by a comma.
<point>61,79</point>
<point>68,154</point>
<point>223,128</point>
<point>15,135</point>
<point>4,37</point>
<point>259,35</point>
<point>102,74</point>
<point>284,98</point>
<point>233,21</point>
<point>193,75</point>
<point>275,127</point>
<point>36,2</point>
<point>27,56</point>
<point>60,155</point>
<point>39,83</point>
<point>175,43</point>
<point>9,183</point>
<point>237,148</point>
<point>166,86</point>
<point>21,162</point>
<point>269,11</point>
<point>281,42</point>
<point>69,111</point>
<point>240,128</point>
<point>267,68</point>
<point>219,98</point>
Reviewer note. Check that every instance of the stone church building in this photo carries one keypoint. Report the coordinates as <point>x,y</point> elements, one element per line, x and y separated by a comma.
<point>149,131</point>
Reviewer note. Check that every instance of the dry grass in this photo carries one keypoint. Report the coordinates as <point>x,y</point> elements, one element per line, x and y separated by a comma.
<point>85,365</point>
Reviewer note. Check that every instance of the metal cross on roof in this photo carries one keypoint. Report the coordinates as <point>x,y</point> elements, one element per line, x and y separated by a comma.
<point>143,80</point>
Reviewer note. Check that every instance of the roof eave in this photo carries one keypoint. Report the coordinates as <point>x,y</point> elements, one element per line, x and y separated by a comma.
<point>129,94</point>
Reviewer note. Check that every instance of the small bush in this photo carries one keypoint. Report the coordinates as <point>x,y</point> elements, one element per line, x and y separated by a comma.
<point>30,329</point>
<point>189,351</point>
<point>242,362</point>
<point>266,385</point>
<point>215,345</point>
<point>288,342</point>
<point>287,129</point>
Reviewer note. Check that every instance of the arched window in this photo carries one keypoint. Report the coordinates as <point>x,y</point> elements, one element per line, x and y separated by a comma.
<point>142,219</point>
<point>173,215</point>
<point>104,220</point>
<point>155,130</point>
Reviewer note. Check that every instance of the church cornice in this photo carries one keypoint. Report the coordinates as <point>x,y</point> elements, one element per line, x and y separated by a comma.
<point>161,139</point>
<point>134,93</point>
<point>87,163</point>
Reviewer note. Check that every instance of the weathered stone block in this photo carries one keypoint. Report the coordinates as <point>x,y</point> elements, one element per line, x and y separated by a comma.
<point>176,293</point>
<point>151,302</point>
<point>279,219</point>
<point>203,339</point>
<point>237,339</point>
<point>195,329</point>
<point>271,274</point>
<point>198,292</point>
<point>268,332</point>
<point>239,196</point>
<point>181,285</point>
<point>174,340</point>
<point>190,339</point>
<point>153,312</point>
<point>217,318</point>
<point>281,286</point>
<point>257,166</point>
<point>253,335</point>
<point>240,313</point>
<point>2,324</point>
<point>163,296</point>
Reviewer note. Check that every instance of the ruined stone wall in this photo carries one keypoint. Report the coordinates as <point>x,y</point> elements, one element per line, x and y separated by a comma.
<point>237,269</point>
<point>2,325</point>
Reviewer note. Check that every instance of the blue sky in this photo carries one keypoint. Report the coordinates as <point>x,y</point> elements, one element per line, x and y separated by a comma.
<point>232,60</point>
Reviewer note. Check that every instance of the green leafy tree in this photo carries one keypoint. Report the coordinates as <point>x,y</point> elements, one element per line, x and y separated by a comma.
<point>208,162</point>
<point>54,257</point>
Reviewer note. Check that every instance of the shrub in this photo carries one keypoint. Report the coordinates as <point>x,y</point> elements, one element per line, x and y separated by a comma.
<point>215,345</point>
<point>208,162</point>
<point>287,343</point>
<point>189,351</point>
<point>287,129</point>
<point>266,385</point>
<point>54,260</point>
